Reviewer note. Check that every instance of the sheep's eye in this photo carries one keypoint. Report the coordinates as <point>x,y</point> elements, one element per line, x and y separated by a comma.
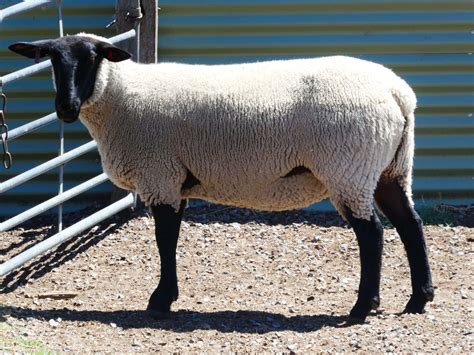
<point>91,58</point>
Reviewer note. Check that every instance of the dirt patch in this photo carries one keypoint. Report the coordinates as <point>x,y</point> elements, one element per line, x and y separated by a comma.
<point>248,282</point>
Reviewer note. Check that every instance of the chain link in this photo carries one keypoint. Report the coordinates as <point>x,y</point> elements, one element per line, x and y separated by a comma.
<point>7,157</point>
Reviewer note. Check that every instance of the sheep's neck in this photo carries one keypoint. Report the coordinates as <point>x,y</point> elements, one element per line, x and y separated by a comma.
<point>103,112</point>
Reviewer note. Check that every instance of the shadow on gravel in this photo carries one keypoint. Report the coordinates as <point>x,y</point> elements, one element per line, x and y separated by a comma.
<point>187,321</point>
<point>207,213</point>
<point>28,239</point>
<point>57,256</point>
<point>223,214</point>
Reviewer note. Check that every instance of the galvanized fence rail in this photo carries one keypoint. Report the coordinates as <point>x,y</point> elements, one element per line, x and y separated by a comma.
<point>59,161</point>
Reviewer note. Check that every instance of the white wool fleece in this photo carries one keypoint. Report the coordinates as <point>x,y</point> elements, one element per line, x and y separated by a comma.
<point>239,129</point>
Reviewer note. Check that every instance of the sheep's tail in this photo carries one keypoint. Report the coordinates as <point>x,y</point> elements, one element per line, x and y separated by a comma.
<point>401,167</point>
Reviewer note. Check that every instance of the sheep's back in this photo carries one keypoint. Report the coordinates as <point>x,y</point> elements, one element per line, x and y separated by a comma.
<point>241,128</point>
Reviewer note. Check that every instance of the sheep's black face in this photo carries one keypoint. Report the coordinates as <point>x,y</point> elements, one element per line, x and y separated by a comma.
<point>75,62</point>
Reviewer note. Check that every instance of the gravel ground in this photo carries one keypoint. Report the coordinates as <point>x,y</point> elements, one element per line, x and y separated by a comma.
<point>249,282</point>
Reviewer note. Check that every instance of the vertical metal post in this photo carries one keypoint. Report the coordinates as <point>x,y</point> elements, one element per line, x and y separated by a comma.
<point>61,132</point>
<point>60,18</point>
<point>137,41</point>
<point>137,59</point>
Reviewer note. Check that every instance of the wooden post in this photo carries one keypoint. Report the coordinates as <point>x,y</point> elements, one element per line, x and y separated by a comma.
<point>126,12</point>
<point>148,34</point>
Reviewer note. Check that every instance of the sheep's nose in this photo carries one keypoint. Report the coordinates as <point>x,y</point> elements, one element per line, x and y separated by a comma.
<point>67,106</point>
<point>68,110</point>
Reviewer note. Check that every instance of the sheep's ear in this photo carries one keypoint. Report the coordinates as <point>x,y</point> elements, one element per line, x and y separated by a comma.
<point>33,50</point>
<point>112,53</point>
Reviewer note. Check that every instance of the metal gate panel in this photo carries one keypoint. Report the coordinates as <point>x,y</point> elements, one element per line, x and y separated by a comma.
<point>33,97</point>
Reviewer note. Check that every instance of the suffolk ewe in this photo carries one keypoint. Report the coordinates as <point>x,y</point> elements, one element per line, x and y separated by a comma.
<point>272,136</point>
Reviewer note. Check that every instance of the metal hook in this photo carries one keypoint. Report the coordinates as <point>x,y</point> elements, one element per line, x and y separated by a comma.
<point>37,55</point>
<point>7,157</point>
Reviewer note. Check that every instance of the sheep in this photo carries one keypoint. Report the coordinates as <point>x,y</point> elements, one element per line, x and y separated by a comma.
<point>273,136</point>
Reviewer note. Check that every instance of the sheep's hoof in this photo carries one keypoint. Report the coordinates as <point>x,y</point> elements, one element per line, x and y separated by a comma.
<point>160,301</point>
<point>375,303</point>
<point>159,310</point>
<point>417,301</point>
<point>358,314</point>
<point>414,307</point>
<point>351,320</point>
<point>361,309</point>
<point>155,314</point>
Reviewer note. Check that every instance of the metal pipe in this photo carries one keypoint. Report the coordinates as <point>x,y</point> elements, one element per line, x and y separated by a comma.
<point>66,234</point>
<point>61,133</point>
<point>52,202</point>
<point>137,42</point>
<point>61,174</point>
<point>21,7</point>
<point>60,18</point>
<point>50,164</point>
<point>32,126</point>
<point>137,59</point>
<point>123,36</point>
<point>22,73</point>
<point>35,68</point>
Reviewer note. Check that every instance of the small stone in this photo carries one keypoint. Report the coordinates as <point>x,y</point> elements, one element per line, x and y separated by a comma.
<point>136,343</point>
<point>355,344</point>
<point>113,325</point>
<point>310,298</point>
<point>347,280</point>
<point>292,347</point>
<point>53,323</point>
<point>235,225</point>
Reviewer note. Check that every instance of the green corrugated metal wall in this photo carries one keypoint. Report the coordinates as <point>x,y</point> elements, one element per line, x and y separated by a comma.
<point>429,43</point>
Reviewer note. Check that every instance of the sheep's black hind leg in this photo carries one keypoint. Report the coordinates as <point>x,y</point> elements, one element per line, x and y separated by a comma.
<point>393,202</point>
<point>167,224</point>
<point>370,239</point>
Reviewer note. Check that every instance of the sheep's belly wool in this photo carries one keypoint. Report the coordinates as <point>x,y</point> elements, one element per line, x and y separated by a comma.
<point>282,194</point>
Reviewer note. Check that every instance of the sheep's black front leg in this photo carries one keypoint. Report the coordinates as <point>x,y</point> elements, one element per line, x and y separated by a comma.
<point>394,203</point>
<point>167,224</point>
<point>370,239</point>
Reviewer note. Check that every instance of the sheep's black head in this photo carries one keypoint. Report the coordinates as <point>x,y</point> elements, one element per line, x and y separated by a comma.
<point>75,62</point>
